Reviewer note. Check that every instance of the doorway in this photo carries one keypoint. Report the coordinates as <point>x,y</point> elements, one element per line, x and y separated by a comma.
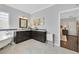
<point>69,29</point>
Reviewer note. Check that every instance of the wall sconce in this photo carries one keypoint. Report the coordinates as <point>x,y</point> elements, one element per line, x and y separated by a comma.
<point>23,17</point>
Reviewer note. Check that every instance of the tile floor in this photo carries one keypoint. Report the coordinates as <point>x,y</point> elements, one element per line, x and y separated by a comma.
<point>34,47</point>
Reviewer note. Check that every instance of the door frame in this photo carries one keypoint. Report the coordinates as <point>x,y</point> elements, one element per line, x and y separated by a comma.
<point>59,16</point>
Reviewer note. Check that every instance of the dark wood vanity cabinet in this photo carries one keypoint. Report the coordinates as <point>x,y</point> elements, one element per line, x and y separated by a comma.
<point>39,36</point>
<point>26,35</point>
<point>21,36</point>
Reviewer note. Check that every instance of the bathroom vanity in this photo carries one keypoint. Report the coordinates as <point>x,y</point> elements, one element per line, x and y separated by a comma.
<point>39,35</point>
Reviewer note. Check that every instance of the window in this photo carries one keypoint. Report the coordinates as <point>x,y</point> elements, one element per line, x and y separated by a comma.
<point>4,20</point>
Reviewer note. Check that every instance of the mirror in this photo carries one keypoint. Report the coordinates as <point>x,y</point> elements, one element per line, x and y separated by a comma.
<point>23,22</point>
<point>37,22</point>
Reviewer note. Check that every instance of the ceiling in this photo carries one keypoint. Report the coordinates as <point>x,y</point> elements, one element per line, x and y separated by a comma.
<point>30,8</point>
<point>70,14</point>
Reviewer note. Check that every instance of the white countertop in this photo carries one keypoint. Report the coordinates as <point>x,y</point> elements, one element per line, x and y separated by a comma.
<point>43,30</point>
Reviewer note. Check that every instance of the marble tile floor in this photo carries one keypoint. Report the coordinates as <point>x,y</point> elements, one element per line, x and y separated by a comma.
<point>34,47</point>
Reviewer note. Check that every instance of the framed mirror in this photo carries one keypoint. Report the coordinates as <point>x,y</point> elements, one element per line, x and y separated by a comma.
<point>23,22</point>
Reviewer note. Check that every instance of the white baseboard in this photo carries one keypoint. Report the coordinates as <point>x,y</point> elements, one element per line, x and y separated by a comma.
<point>51,43</point>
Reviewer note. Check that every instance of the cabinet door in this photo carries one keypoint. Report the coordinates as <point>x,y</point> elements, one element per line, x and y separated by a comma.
<point>21,36</point>
<point>38,35</point>
<point>42,36</point>
<point>27,35</point>
<point>17,38</point>
<point>34,34</point>
<point>72,43</point>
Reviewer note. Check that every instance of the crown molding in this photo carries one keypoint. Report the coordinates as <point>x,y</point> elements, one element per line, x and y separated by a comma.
<point>43,8</point>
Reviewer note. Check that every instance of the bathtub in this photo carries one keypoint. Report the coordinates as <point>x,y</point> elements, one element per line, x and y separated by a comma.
<point>5,39</point>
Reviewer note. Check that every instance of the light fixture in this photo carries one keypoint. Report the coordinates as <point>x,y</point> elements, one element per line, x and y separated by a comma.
<point>23,17</point>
